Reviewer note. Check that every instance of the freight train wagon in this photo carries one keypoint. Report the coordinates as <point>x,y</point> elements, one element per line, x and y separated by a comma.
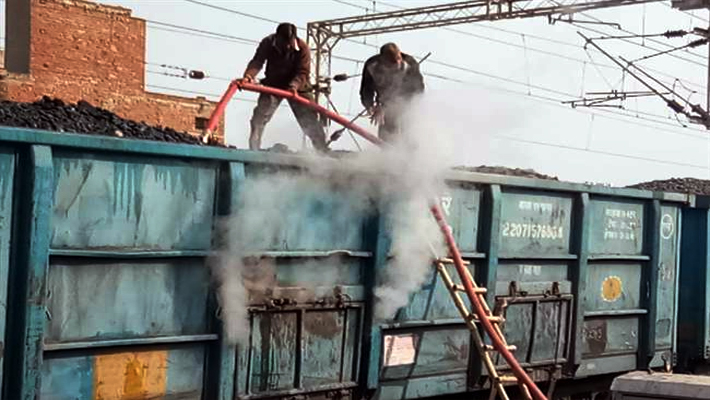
<point>106,294</point>
<point>694,285</point>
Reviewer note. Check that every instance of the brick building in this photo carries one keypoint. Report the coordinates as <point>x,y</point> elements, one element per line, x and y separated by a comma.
<point>79,50</point>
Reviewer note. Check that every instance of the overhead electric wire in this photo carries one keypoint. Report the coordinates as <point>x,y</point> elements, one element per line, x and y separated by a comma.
<point>662,119</point>
<point>347,3</point>
<point>629,41</point>
<point>555,103</point>
<point>220,35</point>
<point>217,35</point>
<point>549,101</point>
<point>220,8</point>
<point>647,116</point>
<point>224,9</point>
<point>650,117</point>
<point>629,32</point>
<point>546,89</point>
<point>695,43</point>
<point>495,28</point>
<point>581,26</point>
<point>218,95</point>
<point>197,92</point>
<point>508,43</point>
<point>260,18</point>
<point>608,153</point>
<point>496,77</point>
<point>499,136</point>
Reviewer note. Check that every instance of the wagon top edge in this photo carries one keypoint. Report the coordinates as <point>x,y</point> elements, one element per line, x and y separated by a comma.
<point>105,144</point>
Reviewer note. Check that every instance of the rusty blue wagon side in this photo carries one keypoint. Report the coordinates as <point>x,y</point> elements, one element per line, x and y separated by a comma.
<point>585,277</point>
<point>104,245</point>
<point>113,297</point>
<point>110,296</point>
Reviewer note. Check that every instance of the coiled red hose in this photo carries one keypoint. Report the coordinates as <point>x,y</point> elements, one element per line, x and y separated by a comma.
<point>478,308</point>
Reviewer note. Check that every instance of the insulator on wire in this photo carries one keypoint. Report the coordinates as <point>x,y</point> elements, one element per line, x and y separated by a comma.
<point>340,77</point>
<point>675,106</point>
<point>676,33</point>
<point>196,74</point>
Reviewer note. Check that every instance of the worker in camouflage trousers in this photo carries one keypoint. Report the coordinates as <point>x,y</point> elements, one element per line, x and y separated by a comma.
<point>390,80</point>
<point>288,66</point>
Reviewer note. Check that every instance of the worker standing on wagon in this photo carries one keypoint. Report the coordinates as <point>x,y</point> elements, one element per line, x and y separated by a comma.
<point>390,80</point>
<point>288,66</point>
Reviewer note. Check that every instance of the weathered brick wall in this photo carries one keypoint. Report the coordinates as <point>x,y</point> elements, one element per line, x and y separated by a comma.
<point>86,51</point>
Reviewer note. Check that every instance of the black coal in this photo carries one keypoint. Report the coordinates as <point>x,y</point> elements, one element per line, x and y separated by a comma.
<point>84,118</point>
<point>677,185</point>
<point>498,170</point>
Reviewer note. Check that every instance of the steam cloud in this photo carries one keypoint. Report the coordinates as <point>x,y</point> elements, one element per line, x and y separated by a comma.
<point>401,179</point>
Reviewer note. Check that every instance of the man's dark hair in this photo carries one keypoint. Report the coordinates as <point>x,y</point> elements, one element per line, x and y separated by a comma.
<point>389,50</point>
<point>286,30</point>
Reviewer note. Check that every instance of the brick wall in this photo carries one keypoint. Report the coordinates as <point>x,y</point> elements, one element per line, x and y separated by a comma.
<point>81,50</point>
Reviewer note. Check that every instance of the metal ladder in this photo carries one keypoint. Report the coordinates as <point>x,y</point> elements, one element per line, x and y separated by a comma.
<point>496,378</point>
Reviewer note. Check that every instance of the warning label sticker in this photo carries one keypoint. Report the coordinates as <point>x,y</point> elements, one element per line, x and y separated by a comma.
<point>399,350</point>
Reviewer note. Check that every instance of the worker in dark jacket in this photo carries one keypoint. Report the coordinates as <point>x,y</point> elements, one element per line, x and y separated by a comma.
<point>389,81</point>
<point>288,65</point>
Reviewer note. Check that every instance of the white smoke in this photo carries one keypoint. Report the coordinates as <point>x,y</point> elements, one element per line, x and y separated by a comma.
<point>401,180</point>
<point>227,269</point>
<point>417,162</point>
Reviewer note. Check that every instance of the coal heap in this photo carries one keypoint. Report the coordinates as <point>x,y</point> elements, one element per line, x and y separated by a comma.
<point>55,115</point>
<point>676,185</point>
<point>497,170</point>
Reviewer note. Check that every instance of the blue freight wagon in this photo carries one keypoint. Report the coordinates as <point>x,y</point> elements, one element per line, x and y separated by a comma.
<point>106,294</point>
<point>694,297</point>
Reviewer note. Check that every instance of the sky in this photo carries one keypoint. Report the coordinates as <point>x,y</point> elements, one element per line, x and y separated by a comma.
<point>499,86</point>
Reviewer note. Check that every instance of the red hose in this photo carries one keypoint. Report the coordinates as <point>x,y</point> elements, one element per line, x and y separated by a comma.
<point>435,210</point>
<point>219,110</point>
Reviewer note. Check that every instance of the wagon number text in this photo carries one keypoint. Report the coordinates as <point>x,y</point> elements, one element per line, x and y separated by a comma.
<point>529,230</point>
